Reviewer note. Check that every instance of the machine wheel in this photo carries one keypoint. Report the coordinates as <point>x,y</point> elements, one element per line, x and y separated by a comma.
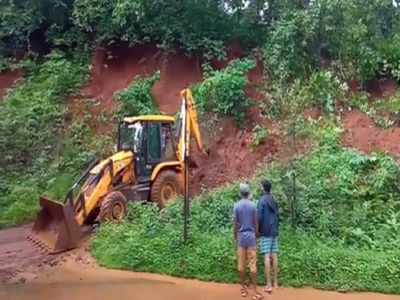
<point>113,208</point>
<point>166,187</point>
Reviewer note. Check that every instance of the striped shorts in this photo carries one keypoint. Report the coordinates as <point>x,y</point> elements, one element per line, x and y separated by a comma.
<point>268,245</point>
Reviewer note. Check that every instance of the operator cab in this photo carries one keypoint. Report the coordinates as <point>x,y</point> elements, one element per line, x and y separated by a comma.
<point>151,140</point>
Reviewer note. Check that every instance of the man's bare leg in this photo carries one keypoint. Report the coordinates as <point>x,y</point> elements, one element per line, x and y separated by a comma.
<point>275,267</point>
<point>243,287</point>
<point>242,275</point>
<point>267,265</point>
<point>242,271</point>
<point>253,277</point>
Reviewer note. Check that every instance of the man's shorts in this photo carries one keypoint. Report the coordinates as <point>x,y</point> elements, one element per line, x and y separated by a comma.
<point>247,257</point>
<point>268,245</point>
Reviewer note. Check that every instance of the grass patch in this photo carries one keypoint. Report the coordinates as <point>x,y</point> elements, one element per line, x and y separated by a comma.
<point>223,91</point>
<point>385,112</point>
<point>137,99</point>
<point>150,243</point>
<point>346,218</point>
<point>38,154</point>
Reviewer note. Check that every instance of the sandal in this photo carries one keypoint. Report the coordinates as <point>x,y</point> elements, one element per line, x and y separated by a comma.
<point>257,297</point>
<point>243,292</point>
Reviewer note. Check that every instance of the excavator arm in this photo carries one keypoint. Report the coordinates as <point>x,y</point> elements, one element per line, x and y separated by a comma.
<point>189,127</point>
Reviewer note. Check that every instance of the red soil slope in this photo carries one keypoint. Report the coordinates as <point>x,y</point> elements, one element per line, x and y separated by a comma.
<point>7,79</point>
<point>231,156</point>
<point>361,133</point>
<point>114,69</point>
<point>360,130</point>
<point>177,72</point>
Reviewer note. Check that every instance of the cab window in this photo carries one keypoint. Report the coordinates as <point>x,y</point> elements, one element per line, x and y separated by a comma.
<point>154,142</point>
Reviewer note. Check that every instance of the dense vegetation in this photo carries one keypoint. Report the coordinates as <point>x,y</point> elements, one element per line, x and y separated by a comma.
<point>341,220</point>
<point>137,99</point>
<point>41,152</point>
<point>384,112</point>
<point>32,114</point>
<point>360,37</point>
<point>346,217</point>
<point>223,91</point>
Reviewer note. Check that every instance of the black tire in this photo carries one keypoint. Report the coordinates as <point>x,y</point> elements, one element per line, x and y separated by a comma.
<point>166,187</point>
<point>113,208</point>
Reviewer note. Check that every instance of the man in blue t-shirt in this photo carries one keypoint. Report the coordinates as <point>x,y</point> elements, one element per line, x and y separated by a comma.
<point>268,222</point>
<point>244,230</point>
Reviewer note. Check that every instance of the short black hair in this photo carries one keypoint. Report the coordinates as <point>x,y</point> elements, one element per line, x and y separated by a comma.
<point>245,195</point>
<point>266,186</point>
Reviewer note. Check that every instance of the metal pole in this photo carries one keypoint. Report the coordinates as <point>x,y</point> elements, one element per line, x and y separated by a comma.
<point>186,204</point>
<point>294,190</point>
<point>186,179</point>
<point>294,200</point>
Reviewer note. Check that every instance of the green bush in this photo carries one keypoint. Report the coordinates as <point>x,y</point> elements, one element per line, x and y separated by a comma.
<point>20,204</point>
<point>361,38</point>
<point>223,91</point>
<point>259,135</point>
<point>137,98</point>
<point>34,26</point>
<point>40,155</point>
<point>294,34</point>
<point>49,176</point>
<point>323,89</point>
<point>152,242</point>
<point>287,101</point>
<point>5,63</point>
<point>31,116</point>
<point>288,50</point>
<point>200,26</point>
<point>309,261</point>
<point>385,112</point>
<point>346,236</point>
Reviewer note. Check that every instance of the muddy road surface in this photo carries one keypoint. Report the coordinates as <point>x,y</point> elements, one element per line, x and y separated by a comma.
<point>17,256</point>
<point>28,274</point>
<point>21,261</point>
<point>71,280</point>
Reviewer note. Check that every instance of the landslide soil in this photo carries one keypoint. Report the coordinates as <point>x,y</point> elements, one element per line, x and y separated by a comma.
<point>115,68</point>
<point>362,133</point>
<point>230,154</point>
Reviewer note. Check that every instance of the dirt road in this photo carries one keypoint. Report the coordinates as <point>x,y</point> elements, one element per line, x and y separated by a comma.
<point>74,281</point>
<point>76,276</point>
<point>21,262</point>
<point>18,259</point>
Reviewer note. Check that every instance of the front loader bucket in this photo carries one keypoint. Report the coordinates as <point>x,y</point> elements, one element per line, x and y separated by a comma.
<point>55,228</point>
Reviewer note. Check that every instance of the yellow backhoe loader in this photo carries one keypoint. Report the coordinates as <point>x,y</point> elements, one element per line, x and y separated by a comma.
<point>148,166</point>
